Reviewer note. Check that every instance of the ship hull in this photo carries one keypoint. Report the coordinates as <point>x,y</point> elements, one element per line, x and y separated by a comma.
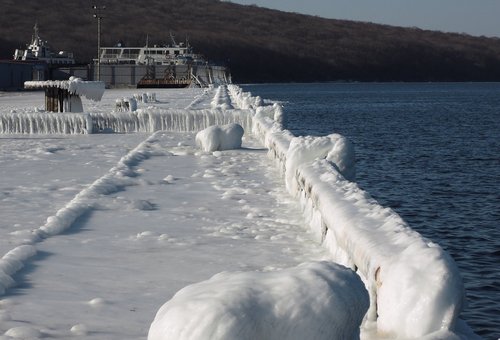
<point>130,75</point>
<point>159,84</point>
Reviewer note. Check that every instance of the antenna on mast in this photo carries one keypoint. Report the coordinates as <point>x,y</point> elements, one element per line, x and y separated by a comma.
<point>172,37</point>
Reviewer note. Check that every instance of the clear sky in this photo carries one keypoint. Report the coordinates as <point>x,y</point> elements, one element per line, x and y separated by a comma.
<point>475,17</point>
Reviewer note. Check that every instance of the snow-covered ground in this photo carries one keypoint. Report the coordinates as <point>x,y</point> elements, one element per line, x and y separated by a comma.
<point>182,217</point>
<point>98,231</point>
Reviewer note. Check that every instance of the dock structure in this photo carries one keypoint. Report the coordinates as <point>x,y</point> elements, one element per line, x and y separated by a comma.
<point>415,288</point>
<point>60,100</point>
<point>64,95</point>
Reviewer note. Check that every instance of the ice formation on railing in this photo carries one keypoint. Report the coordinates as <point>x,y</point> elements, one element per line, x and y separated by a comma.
<point>92,90</point>
<point>154,119</point>
<point>243,100</point>
<point>148,97</point>
<point>336,149</point>
<point>142,120</point>
<point>126,105</point>
<point>415,287</point>
<point>221,99</point>
<point>45,123</point>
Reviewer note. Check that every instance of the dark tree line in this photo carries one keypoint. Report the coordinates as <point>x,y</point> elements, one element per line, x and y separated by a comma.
<point>260,45</point>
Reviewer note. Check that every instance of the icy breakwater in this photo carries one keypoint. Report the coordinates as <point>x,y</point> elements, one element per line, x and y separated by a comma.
<point>415,288</point>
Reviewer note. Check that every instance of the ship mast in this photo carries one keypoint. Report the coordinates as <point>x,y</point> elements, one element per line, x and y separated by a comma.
<point>35,39</point>
<point>172,38</point>
<point>35,28</point>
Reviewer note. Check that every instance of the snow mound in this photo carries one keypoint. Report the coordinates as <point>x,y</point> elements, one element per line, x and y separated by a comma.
<point>317,300</point>
<point>218,138</point>
<point>23,332</point>
<point>80,329</point>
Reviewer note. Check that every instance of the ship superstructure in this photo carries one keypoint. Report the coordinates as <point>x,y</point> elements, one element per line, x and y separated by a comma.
<point>39,50</point>
<point>177,54</point>
<point>174,65</point>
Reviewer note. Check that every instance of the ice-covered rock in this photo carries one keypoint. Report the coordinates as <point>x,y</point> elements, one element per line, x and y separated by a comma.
<point>317,300</point>
<point>217,138</point>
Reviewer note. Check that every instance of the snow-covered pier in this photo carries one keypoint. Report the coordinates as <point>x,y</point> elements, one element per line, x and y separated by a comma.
<point>131,218</point>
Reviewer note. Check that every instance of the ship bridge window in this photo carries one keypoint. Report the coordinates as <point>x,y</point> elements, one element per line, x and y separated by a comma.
<point>131,52</point>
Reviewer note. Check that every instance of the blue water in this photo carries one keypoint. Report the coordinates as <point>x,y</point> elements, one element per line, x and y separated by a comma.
<point>431,151</point>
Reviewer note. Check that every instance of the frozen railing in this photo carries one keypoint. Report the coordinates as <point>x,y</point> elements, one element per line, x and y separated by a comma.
<point>415,287</point>
<point>142,120</point>
<point>182,120</point>
<point>45,123</point>
<point>221,99</point>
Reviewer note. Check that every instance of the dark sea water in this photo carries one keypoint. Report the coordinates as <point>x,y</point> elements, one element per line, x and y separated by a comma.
<point>430,151</point>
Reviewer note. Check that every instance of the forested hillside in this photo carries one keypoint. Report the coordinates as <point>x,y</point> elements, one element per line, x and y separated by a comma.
<point>260,45</point>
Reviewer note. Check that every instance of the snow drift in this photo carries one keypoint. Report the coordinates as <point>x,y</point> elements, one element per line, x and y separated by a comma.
<point>117,178</point>
<point>318,300</point>
<point>12,262</point>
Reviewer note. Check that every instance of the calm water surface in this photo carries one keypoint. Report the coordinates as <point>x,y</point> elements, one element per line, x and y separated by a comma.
<point>430,151</point>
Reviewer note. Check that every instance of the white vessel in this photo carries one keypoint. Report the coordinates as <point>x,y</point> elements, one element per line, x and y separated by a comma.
<point>39,50</point>
<point>176,54</point>
<point>174,65</point>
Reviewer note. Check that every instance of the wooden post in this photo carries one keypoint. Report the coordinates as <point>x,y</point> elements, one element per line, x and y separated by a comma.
<point>51,99</point>
<point>60,98</point>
